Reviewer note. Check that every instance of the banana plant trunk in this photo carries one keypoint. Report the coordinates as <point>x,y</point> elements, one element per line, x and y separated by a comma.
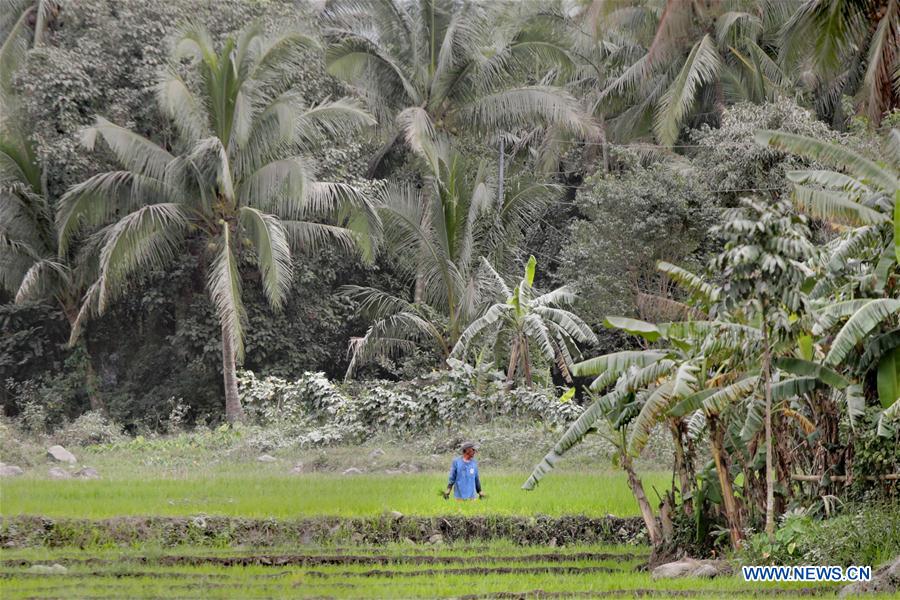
<point>732,514</point>
<point>682,465</point>
<point>233,410</point>
<point>637,489</point>
<point>513,363</point>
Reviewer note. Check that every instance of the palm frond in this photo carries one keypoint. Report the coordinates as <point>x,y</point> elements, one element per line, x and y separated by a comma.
<point>224,285</point>
<point>97,200</point>
<point>134,152</point>
<point>700,68</point>
<point>273,253</point>
<point>144,239</point>
<point>528,106</point>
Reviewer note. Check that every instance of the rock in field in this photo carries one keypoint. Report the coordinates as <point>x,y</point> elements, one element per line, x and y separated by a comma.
<point>885,580</point>
<point>87,473</point>
<point>10,471</point>
<point>265,458</point>
<point>376,453</point>
<point>297,469</point>
<point>352,471</point>
<point>689,567</point>
<point>58,473</point>
<point>55,569</point>
<point>61,454</point>
<point>436,539</point>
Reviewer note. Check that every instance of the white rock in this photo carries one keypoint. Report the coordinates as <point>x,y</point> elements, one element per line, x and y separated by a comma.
<point>376,453</point>
<point>55,569</point>
<point>352,471</point>
<point>705,571</point>
<point>689,567</point>
<point>58,473</point>
<point>396,514</point>
<point>436,539</point>
<point>11,471</point>
<point>265,458</point>
<point>679,568</point>
<point>61,454</point>
<point>297,469</point>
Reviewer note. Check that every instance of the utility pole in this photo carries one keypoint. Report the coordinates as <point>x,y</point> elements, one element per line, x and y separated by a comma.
<point>500,178</point>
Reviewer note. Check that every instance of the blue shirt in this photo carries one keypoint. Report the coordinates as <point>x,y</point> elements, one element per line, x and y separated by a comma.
<point>464,478</point>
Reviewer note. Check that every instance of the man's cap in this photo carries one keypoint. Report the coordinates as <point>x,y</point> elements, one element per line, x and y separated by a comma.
<point>468,445</point>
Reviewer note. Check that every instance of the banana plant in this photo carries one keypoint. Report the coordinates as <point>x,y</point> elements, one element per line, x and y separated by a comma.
<point>856,298</point>
<point>525,319</point>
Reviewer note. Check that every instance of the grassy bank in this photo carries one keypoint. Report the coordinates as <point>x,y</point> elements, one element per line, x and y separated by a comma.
<point>266,494</point>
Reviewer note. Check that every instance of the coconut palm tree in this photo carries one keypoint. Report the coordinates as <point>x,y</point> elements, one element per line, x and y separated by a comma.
<point>30,268</point>
<point>449,229</point>
<point>846,48</point>
<point>524,320</point>
<point>452,66</point>
<point>239,180</point>
<point>677,62</point>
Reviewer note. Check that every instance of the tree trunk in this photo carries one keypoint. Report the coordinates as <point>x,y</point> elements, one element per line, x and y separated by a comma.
<point>90,382</point>
<point>91,386</point>
<point>40,24</point>
<point>716,437</point>
<point>526,361</point>
<point>233,410</point>
<point>682,467</point>
<point>427,191</point>
<point>770,469</point>
<point>637,488</point>
<point>513,363</point>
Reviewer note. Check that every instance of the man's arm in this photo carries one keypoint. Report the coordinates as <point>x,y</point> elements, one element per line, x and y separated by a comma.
<point>451,480</point>
<point>478,485</point>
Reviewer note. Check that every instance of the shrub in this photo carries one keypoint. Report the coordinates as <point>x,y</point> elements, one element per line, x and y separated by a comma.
<point>863,534</point>
<point>313,411</point>
<point>90,428</point>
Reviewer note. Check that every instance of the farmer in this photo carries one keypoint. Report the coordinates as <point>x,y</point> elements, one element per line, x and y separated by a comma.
<point>464,475</point>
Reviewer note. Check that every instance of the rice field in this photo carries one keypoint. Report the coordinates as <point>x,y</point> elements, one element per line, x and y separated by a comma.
<point>267,495</point>
<point>495,570</point>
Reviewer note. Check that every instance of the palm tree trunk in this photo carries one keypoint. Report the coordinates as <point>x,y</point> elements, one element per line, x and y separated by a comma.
<point>716,443</point>
<point>770,469</point>
<point>39,25</point>
<point>637,489</point>
<point>419,290</point>
<point>233,410</point>
<point>91,384</point>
